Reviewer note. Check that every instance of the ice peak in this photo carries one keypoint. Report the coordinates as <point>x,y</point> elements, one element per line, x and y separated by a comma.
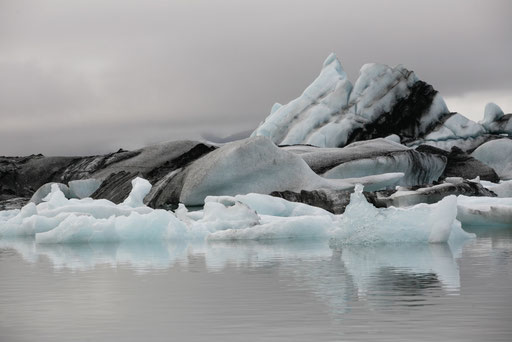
<point>333,60</point>
<point>492,112</point>
<point>56,197</point>
<point>140,188</point>
<point>275,107</point>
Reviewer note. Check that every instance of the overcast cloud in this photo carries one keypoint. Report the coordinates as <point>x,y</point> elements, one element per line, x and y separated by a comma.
<point>85,77</point>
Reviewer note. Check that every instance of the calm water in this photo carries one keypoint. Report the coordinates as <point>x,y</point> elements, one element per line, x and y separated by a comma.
<point>281,291</point>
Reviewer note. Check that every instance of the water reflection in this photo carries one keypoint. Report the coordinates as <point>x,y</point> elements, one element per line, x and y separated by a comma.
<point>338,276</point>
<point>391,264</point>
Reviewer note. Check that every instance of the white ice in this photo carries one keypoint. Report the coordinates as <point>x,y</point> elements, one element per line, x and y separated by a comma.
<point>378,88</point>
<point>492,113</point>
<point>484,211</point>
<point>362,223</point>
<point>45,189</point>
<point>502,189</point>
<point>456,127</point>
<point>327,95</point>
<point>498,155</point>
<point>243,217</point>
<point>251,165</point>
<point>140,188</point>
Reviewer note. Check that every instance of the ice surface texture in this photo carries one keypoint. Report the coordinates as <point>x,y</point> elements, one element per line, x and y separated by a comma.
<point>498,155</point>
<point>362,223</point>
<point>373,157</point>
<point>242,217</point>
<point>250,165</point>
<point>484,211</point>
<point>383,102</point>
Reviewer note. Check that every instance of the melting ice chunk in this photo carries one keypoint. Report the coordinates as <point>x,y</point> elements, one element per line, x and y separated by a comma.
<point>362,223</point>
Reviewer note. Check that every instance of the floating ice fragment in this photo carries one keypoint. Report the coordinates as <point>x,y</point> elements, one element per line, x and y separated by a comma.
<point>140,188</point>
<point>488,211</point>
<point>362,223</point>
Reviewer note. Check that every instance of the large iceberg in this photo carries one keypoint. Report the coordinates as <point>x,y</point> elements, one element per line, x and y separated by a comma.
<point>318,104</point>
<point>387,128</point>
<point>104,176</point>
<point>251,165</point>
<point>383,102</point>
<point>332,113</point>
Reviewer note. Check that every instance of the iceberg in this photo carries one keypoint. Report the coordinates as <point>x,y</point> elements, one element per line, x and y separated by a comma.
<point>496,121</point>
<point>242,217</point>
<point>373,157</point>
<point>362,223</point>
<point>406,196</point>
<point>140,188</point>
<point>113,172</point>
<point>461,164</point>
<point>270,206</point>
<point>319,103</point>
<point>250,165</point>
<point>484,211</point>
<point>383,102</point>
<point>502,189</point>
<point>332,113</point>
<point>498,155</point>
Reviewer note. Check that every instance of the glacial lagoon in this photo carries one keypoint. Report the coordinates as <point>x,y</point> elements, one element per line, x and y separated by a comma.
<point>282,290</point>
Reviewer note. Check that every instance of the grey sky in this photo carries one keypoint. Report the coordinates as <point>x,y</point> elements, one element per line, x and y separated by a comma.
<point>83,77</point>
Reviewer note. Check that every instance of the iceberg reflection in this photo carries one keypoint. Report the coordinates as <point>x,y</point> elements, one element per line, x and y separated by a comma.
<point>387,264</point>
<point>337,275</point>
